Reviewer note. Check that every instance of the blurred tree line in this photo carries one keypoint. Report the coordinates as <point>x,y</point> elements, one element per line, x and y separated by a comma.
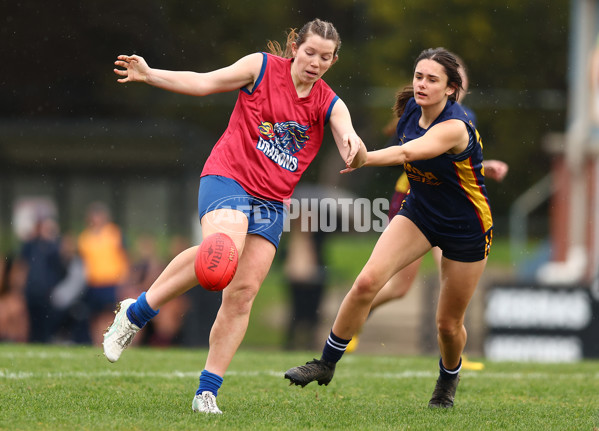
<point>58,60</point>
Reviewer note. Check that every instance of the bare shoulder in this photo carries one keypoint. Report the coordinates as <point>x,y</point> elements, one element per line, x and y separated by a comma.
<point>251,62</point>
<point>339,108</point>
<point>452,133</point>
<point>453,128</point>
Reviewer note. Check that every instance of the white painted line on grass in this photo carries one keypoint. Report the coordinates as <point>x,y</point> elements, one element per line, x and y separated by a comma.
<point>407,374</point>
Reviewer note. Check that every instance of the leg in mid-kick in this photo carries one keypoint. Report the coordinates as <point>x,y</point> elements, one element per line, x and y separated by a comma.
<point>177,278</point>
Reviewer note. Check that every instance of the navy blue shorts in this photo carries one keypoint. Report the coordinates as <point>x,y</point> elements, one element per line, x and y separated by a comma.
<point>265,217</point>
<point>100,298</point>
<point>455,248</point>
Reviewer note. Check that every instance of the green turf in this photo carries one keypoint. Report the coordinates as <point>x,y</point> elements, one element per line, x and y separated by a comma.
<point>57,387</point>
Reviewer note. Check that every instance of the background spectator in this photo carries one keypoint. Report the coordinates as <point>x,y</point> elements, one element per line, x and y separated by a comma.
<point>102,249</point>
<point>41,261</point>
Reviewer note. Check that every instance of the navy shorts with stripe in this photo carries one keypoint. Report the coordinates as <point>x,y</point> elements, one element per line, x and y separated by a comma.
<point>455,248</point>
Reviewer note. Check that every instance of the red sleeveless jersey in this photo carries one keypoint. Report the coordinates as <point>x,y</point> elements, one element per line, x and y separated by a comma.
<point>273,135</point>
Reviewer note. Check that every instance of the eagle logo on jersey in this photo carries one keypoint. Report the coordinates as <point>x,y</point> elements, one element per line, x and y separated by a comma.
<point>280,141</point>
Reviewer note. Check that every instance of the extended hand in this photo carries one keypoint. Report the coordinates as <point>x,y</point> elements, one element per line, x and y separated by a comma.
<point>356,156</point>
<point>136,68</point>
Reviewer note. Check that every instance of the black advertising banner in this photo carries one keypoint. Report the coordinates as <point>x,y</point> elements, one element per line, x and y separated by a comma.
<point>541,323</point>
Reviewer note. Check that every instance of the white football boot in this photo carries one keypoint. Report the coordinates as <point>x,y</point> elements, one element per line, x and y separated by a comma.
<point>205,403</point>
<point>120,334</point>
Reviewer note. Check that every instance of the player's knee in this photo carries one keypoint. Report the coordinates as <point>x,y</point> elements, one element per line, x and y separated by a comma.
<point>240,299</point>
<point>449,328</point>
<point>365,286</point>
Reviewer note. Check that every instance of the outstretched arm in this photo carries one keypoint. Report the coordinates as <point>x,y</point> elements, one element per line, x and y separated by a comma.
<point>240,74</point>
<point>351,147</point>
<point>448,137</point>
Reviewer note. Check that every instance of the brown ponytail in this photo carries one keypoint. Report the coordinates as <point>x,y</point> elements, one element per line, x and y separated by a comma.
<point>401,100</point>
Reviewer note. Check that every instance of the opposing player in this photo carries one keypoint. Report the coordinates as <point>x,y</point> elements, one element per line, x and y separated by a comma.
<point>274,133</point>
<point>402,282</point>
<point>447,207</point>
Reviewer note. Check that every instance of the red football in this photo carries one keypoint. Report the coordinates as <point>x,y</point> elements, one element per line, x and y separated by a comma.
<point>216,261</point>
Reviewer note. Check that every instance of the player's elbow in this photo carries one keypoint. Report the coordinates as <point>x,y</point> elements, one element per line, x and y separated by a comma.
<point>406,156</point>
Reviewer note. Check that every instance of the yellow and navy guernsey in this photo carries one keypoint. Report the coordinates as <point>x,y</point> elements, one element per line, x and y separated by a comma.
<point>447,193</point>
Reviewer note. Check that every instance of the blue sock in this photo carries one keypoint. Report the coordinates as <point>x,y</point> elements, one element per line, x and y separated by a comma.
<point>209,382</point>
<point>449,374</point>
<point>140,312</point>
<point>334,348</point>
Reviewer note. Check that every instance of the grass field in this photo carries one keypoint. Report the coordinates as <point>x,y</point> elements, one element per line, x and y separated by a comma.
<point>75,388</point>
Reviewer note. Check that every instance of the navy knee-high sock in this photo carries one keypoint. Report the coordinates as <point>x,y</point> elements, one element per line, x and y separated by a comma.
<point>334,348</point>
<point>449,374</point>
